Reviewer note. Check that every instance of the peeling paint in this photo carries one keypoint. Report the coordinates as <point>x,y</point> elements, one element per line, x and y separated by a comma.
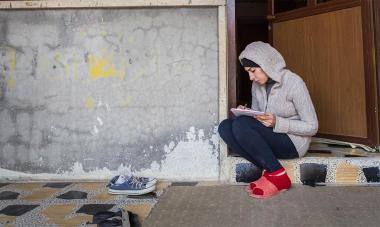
<point>193,158</point>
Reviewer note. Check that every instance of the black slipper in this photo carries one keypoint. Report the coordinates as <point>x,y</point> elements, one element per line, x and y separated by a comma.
<point>114,222</point>
<point>104,215</point>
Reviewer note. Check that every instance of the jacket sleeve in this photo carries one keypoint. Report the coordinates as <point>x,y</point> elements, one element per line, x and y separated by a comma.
<point>307,125</point>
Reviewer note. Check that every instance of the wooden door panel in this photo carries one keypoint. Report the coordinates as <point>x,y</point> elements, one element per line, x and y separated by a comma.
<point>326,50</point>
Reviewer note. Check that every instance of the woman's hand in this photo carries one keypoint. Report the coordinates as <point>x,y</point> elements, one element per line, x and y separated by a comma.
<point>268,119</point>
<point>242,107</point>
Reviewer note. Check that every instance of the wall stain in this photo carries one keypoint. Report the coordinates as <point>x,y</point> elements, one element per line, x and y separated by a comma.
<point>100,67</point>
<point>11,82</point>
<point>89,103</point>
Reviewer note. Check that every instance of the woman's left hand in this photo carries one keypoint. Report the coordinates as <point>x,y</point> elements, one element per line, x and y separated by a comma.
<point>268,119</point>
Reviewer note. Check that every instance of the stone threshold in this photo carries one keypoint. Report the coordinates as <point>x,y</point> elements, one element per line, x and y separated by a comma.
<point>321,166</point>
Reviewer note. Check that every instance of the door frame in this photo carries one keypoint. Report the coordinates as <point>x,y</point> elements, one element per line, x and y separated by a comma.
<point>376,8</point>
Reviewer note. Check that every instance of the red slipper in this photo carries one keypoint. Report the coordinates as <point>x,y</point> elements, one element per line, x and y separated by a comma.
<point>253,184</point>
<point>265,189</point>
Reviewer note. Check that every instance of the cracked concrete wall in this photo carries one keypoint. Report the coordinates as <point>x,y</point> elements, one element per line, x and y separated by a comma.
<point>92,93</point>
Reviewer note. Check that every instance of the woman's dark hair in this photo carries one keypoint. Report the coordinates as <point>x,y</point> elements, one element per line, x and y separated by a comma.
<point>248,63</point>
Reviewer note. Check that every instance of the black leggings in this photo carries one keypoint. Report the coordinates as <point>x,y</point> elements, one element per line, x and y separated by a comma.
<point>258,144</point>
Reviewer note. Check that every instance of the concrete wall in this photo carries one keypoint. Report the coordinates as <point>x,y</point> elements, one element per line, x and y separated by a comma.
<point>85,94</point>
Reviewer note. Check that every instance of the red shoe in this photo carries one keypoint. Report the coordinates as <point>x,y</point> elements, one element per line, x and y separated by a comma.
<point>271,184</point>
<point>253,184</point>
<point>267,188</point>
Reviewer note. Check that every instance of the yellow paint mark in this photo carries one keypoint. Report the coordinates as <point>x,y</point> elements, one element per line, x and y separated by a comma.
<point>101,67</point>
<point>89,103</point>
<point>57,56</point>
<point>11,82</point>
<point>82,34</point>
<point>13,59</point>
<point>131,39</point>
<point>126,102</point>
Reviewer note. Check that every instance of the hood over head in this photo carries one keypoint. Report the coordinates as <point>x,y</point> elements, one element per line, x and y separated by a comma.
<point>269,59</point>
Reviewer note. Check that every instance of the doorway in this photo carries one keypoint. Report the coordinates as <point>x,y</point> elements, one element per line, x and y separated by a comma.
<point>251,25</point>
<point>335,34</point>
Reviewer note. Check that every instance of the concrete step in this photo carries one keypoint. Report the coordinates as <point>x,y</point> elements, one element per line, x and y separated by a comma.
<point>332,166</point>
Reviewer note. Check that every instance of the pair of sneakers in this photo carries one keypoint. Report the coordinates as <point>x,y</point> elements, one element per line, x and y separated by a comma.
<point>131,185</point>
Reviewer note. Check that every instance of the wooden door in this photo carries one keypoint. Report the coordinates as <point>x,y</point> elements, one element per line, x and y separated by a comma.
<point>330,44</point>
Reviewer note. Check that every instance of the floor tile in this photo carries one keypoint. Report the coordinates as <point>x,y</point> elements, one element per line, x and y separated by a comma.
<point>141,210</point>
<point>372,174</point>
<point>27,186</point>
<point>347,173</point>
<point>41,194</point>
<point>17,210</point>
<point>5,219</point>
<point>312,173</point>
<point>91,186</point>
<point>57,184</point>
<point>104,196</point>
<point>55,214</point>
<point>8,195</point>
<point>91,209</point>
<point>73,195</point>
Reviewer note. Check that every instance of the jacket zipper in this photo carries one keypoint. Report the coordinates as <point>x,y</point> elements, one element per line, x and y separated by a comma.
<point>268,95</point>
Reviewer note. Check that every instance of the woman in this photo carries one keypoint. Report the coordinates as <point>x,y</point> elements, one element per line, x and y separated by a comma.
<point>284,132</point>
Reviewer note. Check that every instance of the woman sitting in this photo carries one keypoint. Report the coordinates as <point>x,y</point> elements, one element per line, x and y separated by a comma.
<point>283,132</point>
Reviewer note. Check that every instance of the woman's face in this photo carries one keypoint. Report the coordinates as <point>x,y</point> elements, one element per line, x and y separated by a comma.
<point>257,75</point>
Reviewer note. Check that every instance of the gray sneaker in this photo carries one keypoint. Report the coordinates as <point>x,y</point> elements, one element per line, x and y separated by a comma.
<point>149,181</point>
<point>129,186</point>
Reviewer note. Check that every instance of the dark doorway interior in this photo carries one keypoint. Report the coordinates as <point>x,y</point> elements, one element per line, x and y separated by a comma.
<point>251,25</point>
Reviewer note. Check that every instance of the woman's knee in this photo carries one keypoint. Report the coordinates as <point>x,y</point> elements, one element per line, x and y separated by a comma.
<point>241,122</point>
<point>225,128</point>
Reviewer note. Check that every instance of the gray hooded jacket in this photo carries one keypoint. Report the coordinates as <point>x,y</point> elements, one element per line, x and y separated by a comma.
<point>288,99</point>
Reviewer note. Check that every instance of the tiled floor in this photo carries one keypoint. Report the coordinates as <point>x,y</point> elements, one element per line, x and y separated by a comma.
<point>67,204</point>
